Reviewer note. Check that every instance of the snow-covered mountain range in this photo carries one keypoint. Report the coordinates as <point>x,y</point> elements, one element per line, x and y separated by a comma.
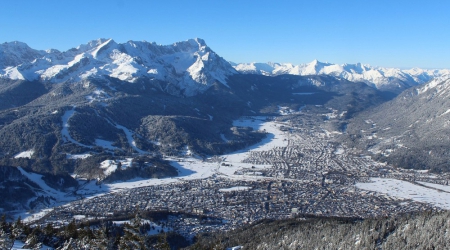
<point>190,65</point>
<point>381,78</point>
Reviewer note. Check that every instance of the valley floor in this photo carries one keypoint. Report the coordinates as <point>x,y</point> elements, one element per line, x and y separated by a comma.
<point>298,169</point>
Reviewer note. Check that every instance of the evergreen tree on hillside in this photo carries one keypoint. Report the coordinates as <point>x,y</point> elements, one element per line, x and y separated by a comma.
<point>70,231</point>
<point>17,228</point>
<point>162,243</point>
<point>33,242</point>
<point>133,238</point>
<point>102,241</point>
<point>6,241</point>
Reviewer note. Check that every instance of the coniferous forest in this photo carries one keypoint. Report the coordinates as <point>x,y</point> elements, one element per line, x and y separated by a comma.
<point>426,230</point>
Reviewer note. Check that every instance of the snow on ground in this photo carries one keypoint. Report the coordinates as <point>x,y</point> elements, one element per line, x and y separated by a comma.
<point>408,190</point>
<point>155,227</point>
<point>79,217</point>
<point>25,154</point>
<point>275,138</point>
<point>37,178</point>
<point>436,186</point>
<point>285,110</point>
<point>28,217</point>
<point>187,151</point>
<point>339,151</point>
<point>238,188</point>
<point>98,95</point>
<point>130,139</point>
<point>60,197</point>
<point>224,138</point>
<point>104,144</point>
<point>65,130</point>
<point>189,168</point>
<point>236,248</point>
<point>18,245</point>
<point>78,156</point>
<point>110,166</point>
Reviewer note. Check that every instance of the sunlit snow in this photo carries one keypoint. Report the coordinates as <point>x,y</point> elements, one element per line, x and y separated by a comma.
<point>25,154</point>
<point>408,190</point>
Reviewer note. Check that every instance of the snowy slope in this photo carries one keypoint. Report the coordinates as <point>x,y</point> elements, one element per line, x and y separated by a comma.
<point>15,53</point>
<point>381,78</point>
<point>410,131</point>
<point>439,86</point>
<point>190,65</point>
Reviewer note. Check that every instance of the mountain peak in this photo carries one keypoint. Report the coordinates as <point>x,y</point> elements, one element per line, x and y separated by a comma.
<point>15,44</point>
<point>92,44</point>
<point>200,42</point>
<point>316,62</point>
<point>190,65</point>
<point>389,79</point>
<point>99,41</point>
<point>15,53</point>
<point>196,44</point>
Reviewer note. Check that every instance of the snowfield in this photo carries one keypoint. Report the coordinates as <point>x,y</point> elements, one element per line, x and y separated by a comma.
<point>231,189</point>
<point>25,154</point>
<point>438,195</point>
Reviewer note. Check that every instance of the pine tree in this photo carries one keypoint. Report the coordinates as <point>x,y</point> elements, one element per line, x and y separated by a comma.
<point>3,223</point>
<point>101,239</point>
<point>32,242</point>
<point>17,228</point>
<point>6,241</point>
<point>133,238</point>
<point>71,230</point>
<point>49,230</point>
<point>71,244</point>
<point>162,243</point>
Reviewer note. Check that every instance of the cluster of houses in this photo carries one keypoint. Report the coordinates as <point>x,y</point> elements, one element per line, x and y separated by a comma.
<point>312,175</point>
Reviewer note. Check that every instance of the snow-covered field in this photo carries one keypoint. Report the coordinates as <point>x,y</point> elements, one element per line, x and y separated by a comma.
<point>25,154</point>
<point>60,197</point>
<point>238,188</point>
<point>408,190</point>
<point>37,178</point>
<point>78,156</point>
<point>437,186</point>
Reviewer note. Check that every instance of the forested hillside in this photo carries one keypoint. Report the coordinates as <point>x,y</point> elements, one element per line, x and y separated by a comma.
<point>427,230</point>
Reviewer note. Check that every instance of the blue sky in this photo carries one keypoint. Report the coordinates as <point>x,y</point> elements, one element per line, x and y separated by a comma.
<point>393,33</point>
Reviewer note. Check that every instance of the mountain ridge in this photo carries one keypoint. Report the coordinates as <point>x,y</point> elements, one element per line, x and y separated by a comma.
<point>391,79</point>
<point>190,65</point>
<point>410,131</point>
